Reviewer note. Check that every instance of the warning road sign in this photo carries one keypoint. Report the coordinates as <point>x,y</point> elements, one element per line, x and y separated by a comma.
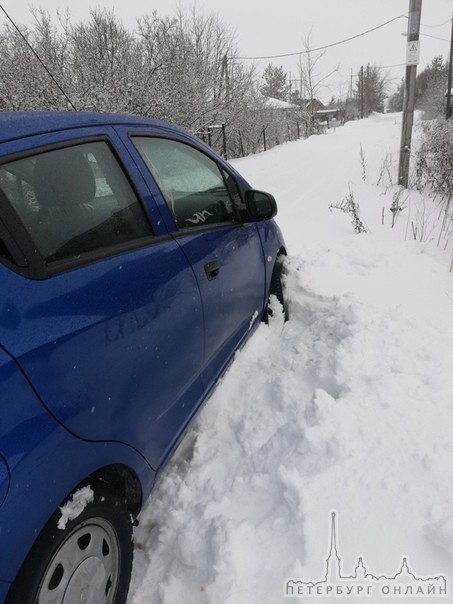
<point>413,52</point>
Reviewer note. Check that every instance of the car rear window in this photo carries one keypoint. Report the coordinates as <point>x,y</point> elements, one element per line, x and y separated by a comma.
<point>74,200</point>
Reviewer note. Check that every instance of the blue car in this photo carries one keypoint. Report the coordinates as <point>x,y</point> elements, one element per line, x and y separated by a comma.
<point>134,262</point>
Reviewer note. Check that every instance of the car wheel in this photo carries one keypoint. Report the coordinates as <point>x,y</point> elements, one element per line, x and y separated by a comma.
<point>277,289</point>
<point>89,561</point>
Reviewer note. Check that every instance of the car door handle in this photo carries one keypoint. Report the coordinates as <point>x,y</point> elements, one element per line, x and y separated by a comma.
<point>212,270</point>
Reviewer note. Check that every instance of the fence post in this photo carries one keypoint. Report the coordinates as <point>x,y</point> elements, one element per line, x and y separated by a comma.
<point>225,154</point>
<point>241,144</point>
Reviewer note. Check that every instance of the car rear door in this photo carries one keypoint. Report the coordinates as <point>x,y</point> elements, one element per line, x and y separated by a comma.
<point>106,318</point>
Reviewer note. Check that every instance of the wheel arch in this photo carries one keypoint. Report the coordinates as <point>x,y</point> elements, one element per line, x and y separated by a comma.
<point>275,285</point>
<point>281,252</point>
<point>122,480</point>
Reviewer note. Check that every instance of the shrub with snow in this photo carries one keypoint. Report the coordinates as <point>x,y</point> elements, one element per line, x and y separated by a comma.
<point>435,157</point>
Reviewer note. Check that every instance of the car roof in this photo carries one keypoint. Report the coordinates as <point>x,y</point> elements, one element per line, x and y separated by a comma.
<point>20,124</point>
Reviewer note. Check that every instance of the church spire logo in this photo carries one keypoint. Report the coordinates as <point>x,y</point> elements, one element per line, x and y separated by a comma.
<point>362,582</point>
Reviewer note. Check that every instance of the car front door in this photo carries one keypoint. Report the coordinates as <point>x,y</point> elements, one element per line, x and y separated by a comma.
<point>202,205</point>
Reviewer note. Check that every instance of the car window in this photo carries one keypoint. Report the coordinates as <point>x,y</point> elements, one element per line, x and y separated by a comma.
<point>74,200</point>
<point>191,183</point>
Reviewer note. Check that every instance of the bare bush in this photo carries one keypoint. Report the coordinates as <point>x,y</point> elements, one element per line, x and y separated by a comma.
<point>352,208</point>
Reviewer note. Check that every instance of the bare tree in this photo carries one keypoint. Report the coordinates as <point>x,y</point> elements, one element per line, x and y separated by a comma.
<point>312,77</point>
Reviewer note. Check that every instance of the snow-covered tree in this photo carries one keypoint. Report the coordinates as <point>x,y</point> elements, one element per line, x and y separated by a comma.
<point>396,100</point>
<point>180,68</point>
<point>371,89</point>
<point>101,62</point>
<point>24,83</point>
<point>431,86</point>
<point>275,82</point>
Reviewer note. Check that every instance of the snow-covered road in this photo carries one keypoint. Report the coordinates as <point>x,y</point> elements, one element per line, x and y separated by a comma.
<point>348,407</point>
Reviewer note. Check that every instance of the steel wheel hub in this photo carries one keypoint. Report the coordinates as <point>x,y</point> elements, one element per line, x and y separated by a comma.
<point>85,568</point>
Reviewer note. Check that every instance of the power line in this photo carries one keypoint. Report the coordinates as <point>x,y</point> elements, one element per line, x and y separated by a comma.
<point>392,66</point>
<point>301,52</point>
<point>440,24</point>
<point>356,75</point>
<point>39,59</point>
<point>435,37</point>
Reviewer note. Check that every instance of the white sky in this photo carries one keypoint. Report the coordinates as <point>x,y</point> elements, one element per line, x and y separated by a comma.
<point>272,28</point>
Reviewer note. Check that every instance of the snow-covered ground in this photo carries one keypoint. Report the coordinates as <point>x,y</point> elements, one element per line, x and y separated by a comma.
<point>348,407</point>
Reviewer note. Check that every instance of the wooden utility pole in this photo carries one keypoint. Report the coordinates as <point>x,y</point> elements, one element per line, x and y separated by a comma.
<point>448,109</point>
<point>412,56</point>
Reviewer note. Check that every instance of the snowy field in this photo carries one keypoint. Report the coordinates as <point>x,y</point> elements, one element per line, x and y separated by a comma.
<point>348,407</point>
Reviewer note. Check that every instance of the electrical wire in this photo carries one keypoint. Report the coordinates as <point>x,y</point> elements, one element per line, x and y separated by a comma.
<point>435,37</point>
<point>393,66</point>
<point>440,24</point>
<point>301,52</point>
<point>39,59</point>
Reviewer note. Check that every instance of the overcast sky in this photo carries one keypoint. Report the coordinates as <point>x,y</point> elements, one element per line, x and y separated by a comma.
<point>265,28</point>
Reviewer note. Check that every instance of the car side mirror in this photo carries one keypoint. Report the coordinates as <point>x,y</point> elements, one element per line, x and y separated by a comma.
<point>260,205</point>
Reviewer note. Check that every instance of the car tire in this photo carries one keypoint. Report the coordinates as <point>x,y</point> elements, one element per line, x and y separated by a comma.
<point>90,560</point>
<point>277,289</point>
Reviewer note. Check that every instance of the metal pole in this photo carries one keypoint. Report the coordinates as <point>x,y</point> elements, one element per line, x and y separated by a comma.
<point>448,109</point>
<point>413,35</point>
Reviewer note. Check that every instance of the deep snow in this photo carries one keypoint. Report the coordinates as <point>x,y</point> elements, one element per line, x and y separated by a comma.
<point>346,407</point>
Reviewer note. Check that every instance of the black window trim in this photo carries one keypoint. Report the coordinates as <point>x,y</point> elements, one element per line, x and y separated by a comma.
<point>27,260</point>
<point>57,267</point>
<point>20,243</point>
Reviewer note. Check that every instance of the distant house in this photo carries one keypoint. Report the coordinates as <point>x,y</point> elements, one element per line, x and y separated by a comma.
<point>331,116</point>
<point>313,106</point>
<point>281,121</point>
<point>320,114</point>
<point>284,106</point>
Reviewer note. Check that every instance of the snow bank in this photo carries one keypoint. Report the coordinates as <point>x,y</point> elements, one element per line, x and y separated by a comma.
<point>347,407</point>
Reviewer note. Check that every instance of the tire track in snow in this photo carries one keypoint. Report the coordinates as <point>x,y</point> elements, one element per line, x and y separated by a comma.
<point>229,491</point>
